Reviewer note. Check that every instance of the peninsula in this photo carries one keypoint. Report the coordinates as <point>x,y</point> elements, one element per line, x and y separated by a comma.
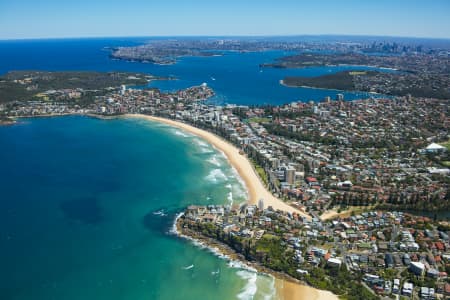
<point>400,69</point>
<point>363,163</point>
<point>398,74</point>
<point>343,81</point>
<point>79,86</point>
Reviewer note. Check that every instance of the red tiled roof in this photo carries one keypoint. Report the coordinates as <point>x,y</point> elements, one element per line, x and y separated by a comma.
<point>440,246</point>
<point>311,179</point>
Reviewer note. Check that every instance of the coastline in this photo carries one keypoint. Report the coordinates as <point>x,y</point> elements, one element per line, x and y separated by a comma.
<point>256,189</point>
<point>325,89</point>
<point>317,88</point>
<point>287,288</point>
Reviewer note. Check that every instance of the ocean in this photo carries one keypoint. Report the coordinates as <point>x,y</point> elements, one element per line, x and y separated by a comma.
<point>87,205</point>
<point>87,208</point>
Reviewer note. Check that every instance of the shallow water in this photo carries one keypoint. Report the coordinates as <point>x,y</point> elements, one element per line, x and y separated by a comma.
<point>87,206</point>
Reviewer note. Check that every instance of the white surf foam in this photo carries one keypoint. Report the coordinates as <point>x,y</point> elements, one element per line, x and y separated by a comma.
<point>240,265</point>
<point>240,188</point>
<point>249,290</point>
<point>181,133</point>
<point>240,192</point>
<point>272,290</point>
<point>203,146</point>
<point>216,175</point>
<point>201,143</point>
<point>245,272</point>
<point>213,160</point>
<point>173,229</point>
<point>160,213</point>
<point>230,198</point>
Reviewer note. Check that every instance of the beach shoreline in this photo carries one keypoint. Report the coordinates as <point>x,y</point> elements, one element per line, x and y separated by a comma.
<point>255,188</point>
<point>288,290</point>
<point>286,287</point>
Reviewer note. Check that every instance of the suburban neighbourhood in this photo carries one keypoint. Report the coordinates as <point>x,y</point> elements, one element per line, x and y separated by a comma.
<point>359,168</point>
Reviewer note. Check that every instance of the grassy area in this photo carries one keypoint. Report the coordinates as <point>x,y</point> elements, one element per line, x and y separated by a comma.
<point>266,243</point>
<point>261,173</point>
<point>446,145</point>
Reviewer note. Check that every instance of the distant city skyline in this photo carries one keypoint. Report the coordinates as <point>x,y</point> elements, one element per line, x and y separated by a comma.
<point>58,19</point>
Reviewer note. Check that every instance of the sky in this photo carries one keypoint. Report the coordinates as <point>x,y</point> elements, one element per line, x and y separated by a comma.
<point>103,18</point>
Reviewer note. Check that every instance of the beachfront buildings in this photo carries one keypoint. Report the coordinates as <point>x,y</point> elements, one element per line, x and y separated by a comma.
<point>395,253</point>
<point>315,156</point>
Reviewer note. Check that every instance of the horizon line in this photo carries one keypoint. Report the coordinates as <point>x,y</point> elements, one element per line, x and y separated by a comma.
<point>226,36</point>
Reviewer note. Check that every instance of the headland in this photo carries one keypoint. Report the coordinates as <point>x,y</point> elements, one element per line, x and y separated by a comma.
<point>287,287</point>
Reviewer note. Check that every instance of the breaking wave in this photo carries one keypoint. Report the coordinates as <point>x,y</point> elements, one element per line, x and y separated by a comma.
<point>213,160</point>
<point>249,290</point>
<point>264,290</point>
<point>181,133</point>
<point>203,146</point>
<point>216,175</point>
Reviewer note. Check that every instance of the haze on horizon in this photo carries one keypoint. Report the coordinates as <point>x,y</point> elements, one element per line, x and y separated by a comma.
<point>107,18</point>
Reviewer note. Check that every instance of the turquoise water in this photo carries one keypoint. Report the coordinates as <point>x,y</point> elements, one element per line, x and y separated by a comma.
<point>87,207</point>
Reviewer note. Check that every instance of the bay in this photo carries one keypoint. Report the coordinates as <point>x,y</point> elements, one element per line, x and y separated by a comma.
<point>87,206</point>
<point>236,77</point>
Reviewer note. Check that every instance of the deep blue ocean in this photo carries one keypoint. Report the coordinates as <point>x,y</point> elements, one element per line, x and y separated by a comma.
<point>236,77</point>
<point>87,205</point>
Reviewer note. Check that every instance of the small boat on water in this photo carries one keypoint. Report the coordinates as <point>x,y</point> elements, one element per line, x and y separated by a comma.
<point>215,272</point>
<point>160,213</point>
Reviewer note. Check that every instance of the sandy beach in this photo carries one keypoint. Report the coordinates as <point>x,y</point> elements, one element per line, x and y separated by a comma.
<point>292,291</point>
<point>286,290</point>
<point>255,187</point>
